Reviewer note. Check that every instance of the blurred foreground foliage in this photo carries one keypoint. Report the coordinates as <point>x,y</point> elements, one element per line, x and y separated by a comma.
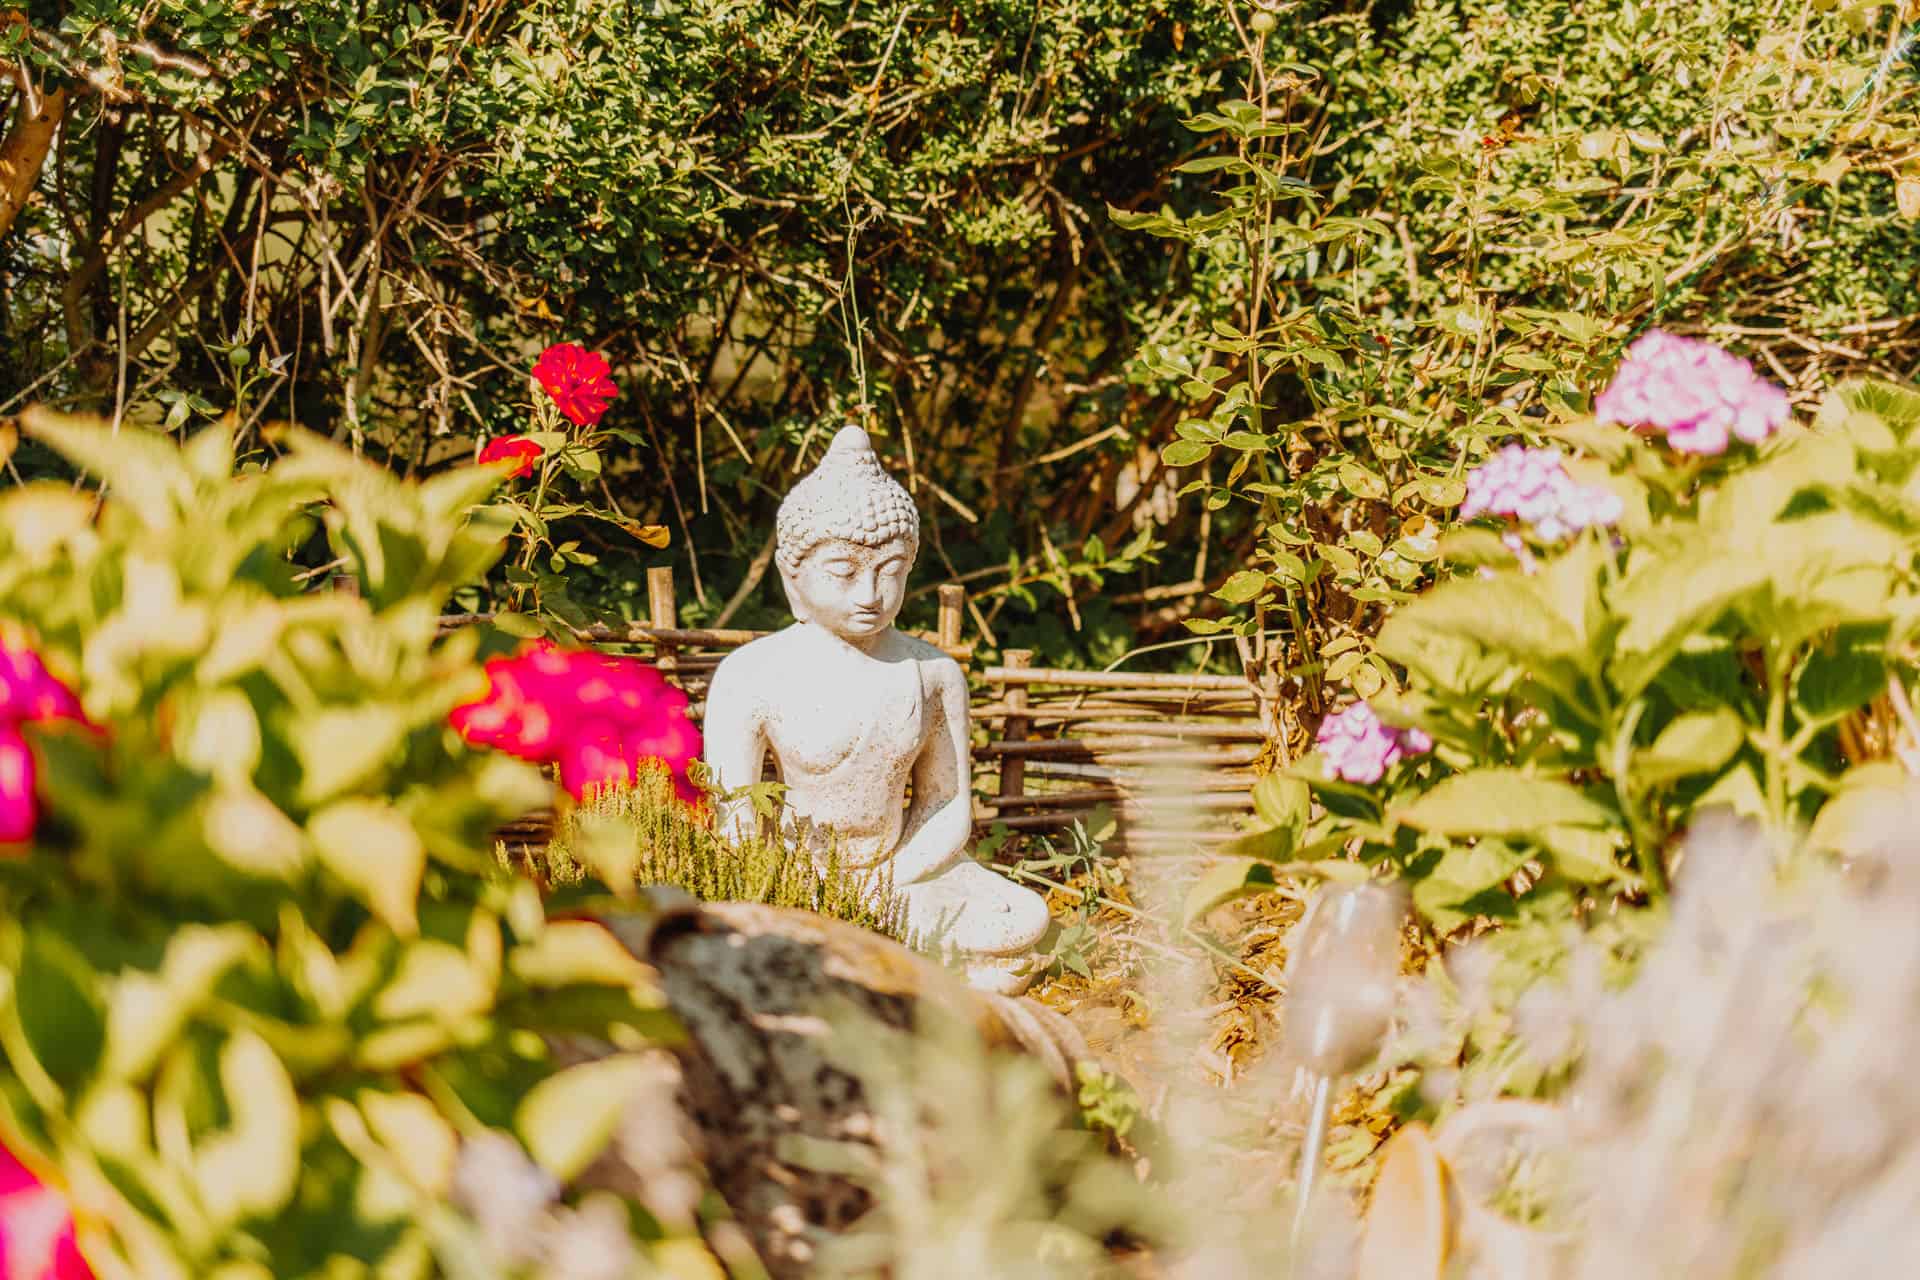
<point>262,981</point>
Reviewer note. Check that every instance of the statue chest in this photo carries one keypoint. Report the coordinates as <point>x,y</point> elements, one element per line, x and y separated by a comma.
<point>866,717</point>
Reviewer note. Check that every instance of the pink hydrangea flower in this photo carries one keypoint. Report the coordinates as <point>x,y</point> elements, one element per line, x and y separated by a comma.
<point>36,1228</point>
<point>1694,392</point>
<point>1532,485</point>
<point>597,716</point>
<point>1358,747</point>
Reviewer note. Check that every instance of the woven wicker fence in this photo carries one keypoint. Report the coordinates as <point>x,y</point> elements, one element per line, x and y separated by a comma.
<point>1050,746</point>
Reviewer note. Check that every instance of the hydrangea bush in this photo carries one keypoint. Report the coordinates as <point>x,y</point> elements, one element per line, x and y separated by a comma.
<point>261,979</point>
<point>1736,633</point>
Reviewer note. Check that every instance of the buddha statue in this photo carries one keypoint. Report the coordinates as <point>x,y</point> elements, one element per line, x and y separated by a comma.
<point>867,726</point>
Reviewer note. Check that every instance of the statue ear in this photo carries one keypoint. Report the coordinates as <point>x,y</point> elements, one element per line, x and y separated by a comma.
<point>795,602</point>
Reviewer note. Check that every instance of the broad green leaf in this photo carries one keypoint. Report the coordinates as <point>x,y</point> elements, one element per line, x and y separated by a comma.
<point>1892,410</point>
<point>139,468</point>
<point>1502,802</point>
<point>571,951</point>
<point>220,736</point>
<point>250,1168</point>
<point>436,981</point>
<point>1464,872</point>
<point>1872,810</point>
<point>416,1136</point>
<point>1698,742</point>
<point>1834,682</point>
<point>145,1011</point>
<point>1237,877</point>
<point>1185,453</point>
<point>568,1118</point>
<point>58,1001</point>
<point>1242,586</point>
<point>1223,882</point>
<point>1283,801</point>
<point>1585,854</point>
<point>377,853</point>
<point>1360,482</point>
<point>1504,614</point>
<point>342,747</point>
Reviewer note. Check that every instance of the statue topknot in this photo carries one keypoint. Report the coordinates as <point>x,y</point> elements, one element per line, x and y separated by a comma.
<point>849,496</point>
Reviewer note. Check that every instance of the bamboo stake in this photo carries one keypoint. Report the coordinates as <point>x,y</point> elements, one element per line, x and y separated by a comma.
<point>1016,674</point>
<point>1013,769</point>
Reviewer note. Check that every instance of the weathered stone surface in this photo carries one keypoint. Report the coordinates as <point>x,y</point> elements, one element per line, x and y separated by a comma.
<point>753,986</point>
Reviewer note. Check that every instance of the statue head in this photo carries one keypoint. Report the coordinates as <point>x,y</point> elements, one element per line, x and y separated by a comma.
<point>846,537</point>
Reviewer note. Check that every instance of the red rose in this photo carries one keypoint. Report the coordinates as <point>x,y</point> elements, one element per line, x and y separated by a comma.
<point>508,448</point>
<point>578,381</point>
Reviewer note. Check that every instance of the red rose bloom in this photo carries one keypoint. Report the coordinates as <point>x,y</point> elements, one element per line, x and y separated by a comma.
<point>509,448</point>
<point>578,380</point>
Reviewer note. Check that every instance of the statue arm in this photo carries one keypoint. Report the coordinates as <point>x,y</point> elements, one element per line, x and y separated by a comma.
<point>940,819</point>
<point>736,745</point>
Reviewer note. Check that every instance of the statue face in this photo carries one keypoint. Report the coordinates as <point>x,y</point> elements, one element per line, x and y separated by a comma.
<point>851,590</point>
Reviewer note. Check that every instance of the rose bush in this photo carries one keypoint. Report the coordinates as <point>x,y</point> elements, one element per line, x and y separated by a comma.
<point>562,452</point>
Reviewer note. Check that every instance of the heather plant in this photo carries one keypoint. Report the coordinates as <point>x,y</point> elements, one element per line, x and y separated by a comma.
<point>646,834</point>
<point>262,979</point>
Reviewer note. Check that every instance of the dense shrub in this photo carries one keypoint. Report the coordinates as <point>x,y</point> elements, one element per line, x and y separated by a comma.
<point>364,217</point>
<point>259,977</point>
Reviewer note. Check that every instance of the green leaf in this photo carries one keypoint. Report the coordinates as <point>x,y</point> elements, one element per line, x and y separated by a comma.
<point>1502,802</point>
<point>1699,742</point>
<point>568,1118</point>
<point>1223,882</point>
<point>1283,801</point>
<point>145,1011</point>
<point>522,625</point>
<point>1360,482</point>
<point>1185,453</point>
<point>141,469</point>
<point>56,997</point>
<point>377,853</point>
<point>1835,682</point>
<point>1584,854</point>
<point>250,1169</point>
<point>1242,586</point>
<point>576,951</point>
<point>1504,615</point>
<point>342,747</point>
<point>1464,873</point>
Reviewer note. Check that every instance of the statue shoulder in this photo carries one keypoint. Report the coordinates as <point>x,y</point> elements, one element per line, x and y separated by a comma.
<point>938,669</point>
<point>756,659</point>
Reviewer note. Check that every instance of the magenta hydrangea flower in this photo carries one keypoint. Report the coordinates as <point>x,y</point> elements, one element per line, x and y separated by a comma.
<point>29,694</point>
<point>36,1228</point>
<point>1359,748</point>
<point>1694,392</point>
<point>599,717</point>
<point>1532,485</point>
